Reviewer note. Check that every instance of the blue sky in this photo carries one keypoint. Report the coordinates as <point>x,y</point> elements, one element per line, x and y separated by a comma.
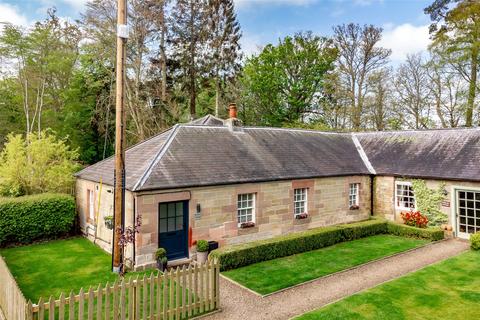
<point>264,21</point>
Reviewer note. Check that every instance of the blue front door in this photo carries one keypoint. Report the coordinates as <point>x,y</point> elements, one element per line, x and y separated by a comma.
<point>172,228</point>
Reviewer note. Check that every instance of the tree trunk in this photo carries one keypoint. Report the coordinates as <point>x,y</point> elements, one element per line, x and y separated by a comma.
<point>438,102</point>
<point>217,96</point>
<point>472,88</point>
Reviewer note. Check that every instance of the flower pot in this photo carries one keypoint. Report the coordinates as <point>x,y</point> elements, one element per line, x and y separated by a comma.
<point>109,224</point>
<point>449,227</point>
<point>202,257</point>
<point>161,266</point>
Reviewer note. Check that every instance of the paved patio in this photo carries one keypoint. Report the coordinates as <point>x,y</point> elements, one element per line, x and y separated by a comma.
<point>239,303</point>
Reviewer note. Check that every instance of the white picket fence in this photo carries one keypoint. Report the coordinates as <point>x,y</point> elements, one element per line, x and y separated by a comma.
<point>12,301</point>
<point>180,293</point>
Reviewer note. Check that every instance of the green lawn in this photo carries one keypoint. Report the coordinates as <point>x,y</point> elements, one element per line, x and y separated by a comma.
<point>447,290</point>
<point>58,266</point>
<point>270,276</point>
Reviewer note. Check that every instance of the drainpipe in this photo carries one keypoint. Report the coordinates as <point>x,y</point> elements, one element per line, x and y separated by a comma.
<point>134,234</point>
<point>372,177</point>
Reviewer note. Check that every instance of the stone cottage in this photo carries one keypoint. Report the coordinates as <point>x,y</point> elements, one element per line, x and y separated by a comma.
<point>217,180</point>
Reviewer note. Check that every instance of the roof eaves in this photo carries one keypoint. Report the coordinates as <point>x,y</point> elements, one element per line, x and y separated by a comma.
<point>363,155</point>
<point>157,158</point>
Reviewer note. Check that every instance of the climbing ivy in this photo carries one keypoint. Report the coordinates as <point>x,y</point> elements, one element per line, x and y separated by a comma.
<point>428,201</point>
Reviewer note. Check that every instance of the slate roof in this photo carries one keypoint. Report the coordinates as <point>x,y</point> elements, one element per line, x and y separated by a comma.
<point>199,155</point>
<point>137,159</point>
<point>206,152</point>
<point>452,154</point>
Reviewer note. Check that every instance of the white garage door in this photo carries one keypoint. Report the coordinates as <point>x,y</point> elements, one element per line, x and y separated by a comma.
<point>468,212</point>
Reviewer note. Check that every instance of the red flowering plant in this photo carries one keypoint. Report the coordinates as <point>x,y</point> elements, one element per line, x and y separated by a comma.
<point>414,219</point>
<point>303,215</point>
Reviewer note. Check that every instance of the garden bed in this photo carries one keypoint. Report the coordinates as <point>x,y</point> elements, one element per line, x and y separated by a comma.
<point>273,275</point>
<point>447,290</point>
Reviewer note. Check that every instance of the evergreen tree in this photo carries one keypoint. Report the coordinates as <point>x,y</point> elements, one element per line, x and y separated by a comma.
<point>224,36</point>
<point>189,46</point>
<point>458,28</point>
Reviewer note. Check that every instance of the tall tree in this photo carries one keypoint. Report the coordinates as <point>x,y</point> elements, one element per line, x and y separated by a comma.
<point>413,95</point>
<point>224,36</point>
<point>359,56</point>
<point>44,58</point>
<point>449,91</point>
<point>378,100</point>
<point>189,45</point>
<point>284,83</point>
<point>456,24</point>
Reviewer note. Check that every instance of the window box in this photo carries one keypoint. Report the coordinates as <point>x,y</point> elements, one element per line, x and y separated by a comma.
<point>301,216</point>
<point>246,225</point>
<point>354,207</point>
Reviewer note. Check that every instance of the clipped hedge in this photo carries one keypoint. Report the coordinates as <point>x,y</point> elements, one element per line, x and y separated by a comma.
<point>36,217</point>
<point>432,234</point>
<point>231,257</point>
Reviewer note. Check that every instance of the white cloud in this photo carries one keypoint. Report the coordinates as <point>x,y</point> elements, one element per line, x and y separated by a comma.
<point>76,4</point>
<point>11,14</point>
<point>249,3</point>
<point>405,39</point>
<point>365,3</point>
<point>251,44</point>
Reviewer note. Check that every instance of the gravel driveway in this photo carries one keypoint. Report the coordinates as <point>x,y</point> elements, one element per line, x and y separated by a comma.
<point>238,303</point>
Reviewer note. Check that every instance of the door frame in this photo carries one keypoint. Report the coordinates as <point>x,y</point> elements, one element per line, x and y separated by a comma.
<point>454,217</point>
<point>186,212</point>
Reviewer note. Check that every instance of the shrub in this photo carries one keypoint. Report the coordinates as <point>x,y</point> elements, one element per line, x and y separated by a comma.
<point>202,245</point>
<point>432,234</point>
<point>232,257</point>
<point>160,254</point>
<point>29,218</point>
<point>43,164</point>
<point>414,219</point>
<point>475,241</point>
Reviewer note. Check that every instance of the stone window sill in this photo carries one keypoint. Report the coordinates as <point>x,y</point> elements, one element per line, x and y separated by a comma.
<point>242,231</point>
<point>302,221</point>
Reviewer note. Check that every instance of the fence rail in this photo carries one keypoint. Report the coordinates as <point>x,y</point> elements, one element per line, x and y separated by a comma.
<point>180,293</point>
<point>12,301</point>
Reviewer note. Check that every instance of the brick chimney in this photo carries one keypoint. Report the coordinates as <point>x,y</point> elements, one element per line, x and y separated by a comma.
<point>233,123</point>
<point>232,110</point>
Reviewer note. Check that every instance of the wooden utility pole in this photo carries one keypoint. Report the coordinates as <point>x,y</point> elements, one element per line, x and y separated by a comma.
<point>119,201</point>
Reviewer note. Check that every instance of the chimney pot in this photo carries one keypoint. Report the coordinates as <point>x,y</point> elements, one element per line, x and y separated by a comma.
<point>232,111</point>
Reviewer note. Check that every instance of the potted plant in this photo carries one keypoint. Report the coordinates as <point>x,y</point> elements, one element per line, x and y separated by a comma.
<point>161,258</point>
<point>202,251</point>
<point>108,222</point>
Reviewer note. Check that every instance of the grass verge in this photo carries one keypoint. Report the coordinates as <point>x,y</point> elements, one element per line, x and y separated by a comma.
<point>273,275</point>
<point>446,290</point>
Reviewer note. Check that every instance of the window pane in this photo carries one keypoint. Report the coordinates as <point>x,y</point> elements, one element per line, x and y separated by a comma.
<point>171,210</point>
<point>179,208</point>
<point>163,225</point>
<point>179,225</point>
<point>163,211</point>
<point>171,224</point>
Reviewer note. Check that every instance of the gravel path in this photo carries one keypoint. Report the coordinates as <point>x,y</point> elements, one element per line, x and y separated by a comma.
<point>238,303</point>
